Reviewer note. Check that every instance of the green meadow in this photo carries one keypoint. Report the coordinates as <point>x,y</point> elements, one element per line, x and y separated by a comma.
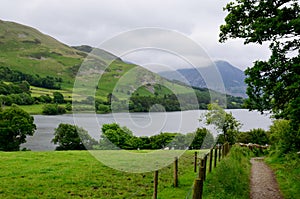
<point>77,174</point>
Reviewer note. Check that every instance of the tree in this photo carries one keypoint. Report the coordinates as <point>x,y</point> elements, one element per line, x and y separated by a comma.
<point>272,84</point>
<point>222,121</point>
<point>58,98</point>
<point>113,137</point>
<point>161,140</point>
<point>15,125</point>
<point>71,137</point>
<point>202,139</point>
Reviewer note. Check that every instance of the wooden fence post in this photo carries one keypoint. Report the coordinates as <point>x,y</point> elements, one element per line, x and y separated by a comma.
<point>155,184</point>
<point>227,148</point>
<point>210,159</point>
<point>216,156</point>
<point>201,169</point>
<point>176,172</point>
<point>195,162</point>
<point>220,151</point>
<point>223,151</point>
<point>198,189</point>
<point>205,165</point>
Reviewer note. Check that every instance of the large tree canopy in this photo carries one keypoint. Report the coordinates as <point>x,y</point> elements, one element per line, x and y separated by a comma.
<point>15,125</point>
<point>259,21</point>
<point>272,84</point>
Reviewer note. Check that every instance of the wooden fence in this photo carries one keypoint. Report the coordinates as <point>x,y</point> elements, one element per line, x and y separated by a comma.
<point>203,164</point>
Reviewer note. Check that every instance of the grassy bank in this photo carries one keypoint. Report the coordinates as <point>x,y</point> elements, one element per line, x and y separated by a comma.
<point>287,171</point>
<point>231,178</point>
<point>77,174</point>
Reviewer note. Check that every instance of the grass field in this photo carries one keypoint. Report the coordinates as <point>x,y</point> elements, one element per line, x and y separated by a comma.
<point>37,91</point>
<point>77,174</point>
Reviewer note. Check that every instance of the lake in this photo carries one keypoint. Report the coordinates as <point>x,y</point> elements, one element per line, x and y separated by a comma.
<point>142,124</point>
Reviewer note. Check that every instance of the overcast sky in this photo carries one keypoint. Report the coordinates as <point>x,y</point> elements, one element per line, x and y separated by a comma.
<point>78,22</point>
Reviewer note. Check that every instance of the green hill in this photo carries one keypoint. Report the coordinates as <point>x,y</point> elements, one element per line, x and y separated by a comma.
<point>27,50</point>
<point>31,55</point>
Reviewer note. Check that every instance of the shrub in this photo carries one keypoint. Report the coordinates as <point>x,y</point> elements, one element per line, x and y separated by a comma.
<point>53,109</point>
<point>282,136</point>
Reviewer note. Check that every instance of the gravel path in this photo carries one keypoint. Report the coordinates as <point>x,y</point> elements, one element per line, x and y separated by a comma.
<point>263,182</point>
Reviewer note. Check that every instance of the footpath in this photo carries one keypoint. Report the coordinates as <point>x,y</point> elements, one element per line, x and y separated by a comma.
<point>263,182</point>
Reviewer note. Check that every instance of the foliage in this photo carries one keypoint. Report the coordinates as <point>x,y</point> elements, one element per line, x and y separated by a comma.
<point>16,88</point>
<point>71,137</point>
<point>53,109</point>
<point>58,98</point>
<point>115,137</point>
<point>15,125</point>
<point>68,107</point>
<point>255,136</point>
<point>231,137</point>
<point>287,173</point>
<point>103,108</point>
<point>272,84</point>
<point>19,99</point>
<point>162,140</point>
<point>202,138</point>
<point>222,121</point>
<point>282,137</point>
<point>10,75</point>
<point>44,99</point>
<point>230,178</point>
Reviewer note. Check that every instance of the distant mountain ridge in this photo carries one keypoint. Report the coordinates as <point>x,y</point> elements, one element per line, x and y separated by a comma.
<point>233,77</point>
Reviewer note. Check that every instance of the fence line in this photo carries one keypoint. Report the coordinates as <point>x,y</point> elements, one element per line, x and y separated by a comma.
<point>199,181</point>
<point>202,164</point>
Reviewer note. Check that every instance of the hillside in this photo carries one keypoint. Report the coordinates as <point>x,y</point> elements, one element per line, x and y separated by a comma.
<point>233,77</point>
<point>26,54</point>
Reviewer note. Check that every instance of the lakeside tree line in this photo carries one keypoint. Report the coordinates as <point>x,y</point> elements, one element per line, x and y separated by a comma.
<point>16,125</point>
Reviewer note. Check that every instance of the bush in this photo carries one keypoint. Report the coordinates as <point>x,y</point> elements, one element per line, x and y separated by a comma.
<point>282,137</point>
<point>58,98</point>
<point>53,109</point>
<point>103,108</point>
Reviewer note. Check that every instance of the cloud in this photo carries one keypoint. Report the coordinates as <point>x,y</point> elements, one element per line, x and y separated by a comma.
<point>77,22</point>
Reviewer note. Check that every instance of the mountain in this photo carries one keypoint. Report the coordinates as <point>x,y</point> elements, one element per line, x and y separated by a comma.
<point>233,77</point>
<point>31,55</point>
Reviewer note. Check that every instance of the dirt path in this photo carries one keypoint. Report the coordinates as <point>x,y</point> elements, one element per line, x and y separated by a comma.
<point>263,182</point>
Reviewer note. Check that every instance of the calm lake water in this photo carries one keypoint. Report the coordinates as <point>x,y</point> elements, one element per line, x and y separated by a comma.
<point>140,123</point>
